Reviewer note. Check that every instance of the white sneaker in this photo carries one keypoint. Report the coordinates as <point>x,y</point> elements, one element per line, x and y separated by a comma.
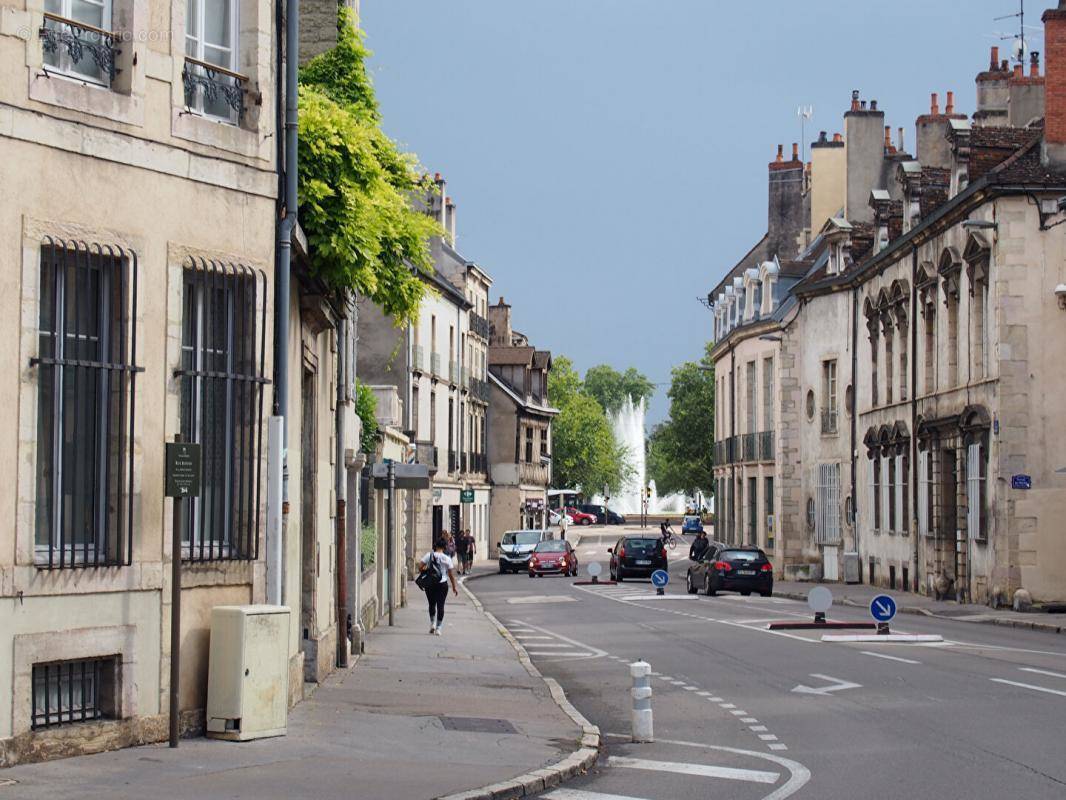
<point>436,631</point>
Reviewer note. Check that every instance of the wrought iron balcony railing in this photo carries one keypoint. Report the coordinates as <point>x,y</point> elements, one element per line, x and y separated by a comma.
<point>213,84</point>
<point>434,364</point>
<point>766,446</point>
<point>418,358</point>
<point>749,442</point>
<point>62,35</point>
<point>479,325</point>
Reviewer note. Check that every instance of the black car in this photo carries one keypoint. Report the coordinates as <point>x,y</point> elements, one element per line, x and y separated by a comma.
<point>728,568</point>
<point>637,556</point>
<point>597,511</point>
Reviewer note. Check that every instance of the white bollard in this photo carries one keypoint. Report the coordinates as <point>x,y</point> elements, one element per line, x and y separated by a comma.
<point>641,692</point>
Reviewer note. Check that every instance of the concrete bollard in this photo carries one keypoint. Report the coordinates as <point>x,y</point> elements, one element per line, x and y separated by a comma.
<point>641,692</point>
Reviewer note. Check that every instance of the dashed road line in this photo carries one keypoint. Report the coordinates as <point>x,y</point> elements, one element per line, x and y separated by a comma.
<point>1029,686</point>
<point>1036,671</point>
<point>889,658</point>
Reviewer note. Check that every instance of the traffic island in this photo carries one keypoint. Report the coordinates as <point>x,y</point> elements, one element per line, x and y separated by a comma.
<point>797,625</point>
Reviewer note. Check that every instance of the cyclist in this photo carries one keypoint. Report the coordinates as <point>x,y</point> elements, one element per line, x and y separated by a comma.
<point>665,531</point>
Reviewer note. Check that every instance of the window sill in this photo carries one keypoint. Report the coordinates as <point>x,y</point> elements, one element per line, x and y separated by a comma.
<point>213,132</point>
<point>64,91</point>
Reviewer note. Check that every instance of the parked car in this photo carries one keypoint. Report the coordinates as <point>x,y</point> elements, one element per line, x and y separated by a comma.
<point>691,523</point>
<point>726,568</point>
<point>579,516</point>
<point>637,556</point>
<point>597,512</point>
<point>553,556</point>
<point>555,519</point>
<point>516,548</point>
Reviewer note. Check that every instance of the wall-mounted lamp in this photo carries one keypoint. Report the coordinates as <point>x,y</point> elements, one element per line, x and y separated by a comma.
<point>1060,293</point>
<point>979,224</point>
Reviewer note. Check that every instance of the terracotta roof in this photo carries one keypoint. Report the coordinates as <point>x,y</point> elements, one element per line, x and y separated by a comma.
<point>992,145</point>
<point>511,356</point>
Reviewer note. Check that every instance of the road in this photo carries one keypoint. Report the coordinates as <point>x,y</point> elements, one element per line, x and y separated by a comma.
<point>745,712</point>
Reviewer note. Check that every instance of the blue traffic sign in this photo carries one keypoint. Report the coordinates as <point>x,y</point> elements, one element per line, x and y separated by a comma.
<point>1021,482</point>
<point>660,578</point>
<point>882,608</point>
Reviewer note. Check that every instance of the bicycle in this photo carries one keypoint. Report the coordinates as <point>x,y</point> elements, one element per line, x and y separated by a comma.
<point>669,539</point>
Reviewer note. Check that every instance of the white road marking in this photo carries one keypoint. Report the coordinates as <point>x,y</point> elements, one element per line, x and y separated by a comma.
<point>556,654</point>
<point>767,737</point>
<point>715,699</point>
<point>664,677</point>
<point>689,688</point>
<point>747,720</point>
<point>1036,671</point>
<point>546,644</point>
<point>1029,686</point>
<point>524,636</point>
<point>577,794</point>
<point>541,598</point>
<point>704,770</point>
<point>777,746</point>
<point>589,651</point>
<point>678,683</point>
<point>703,694</point>
<point>727,705</point>
<point>890,658</point>
<point>883,638</point>
<point>836,685</point>
<point>758,728</point>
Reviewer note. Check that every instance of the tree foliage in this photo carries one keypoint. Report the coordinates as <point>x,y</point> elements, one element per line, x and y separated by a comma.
<point>585,452</point>
<point>611,387</point>
<point>356,187</point>
<point>681,449</point>
<point>366,406</point>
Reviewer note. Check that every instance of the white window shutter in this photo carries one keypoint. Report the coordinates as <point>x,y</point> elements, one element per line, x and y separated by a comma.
<point>923,492</point>
<point>886,465</point>
<point>899,493</point>
<point>973,491</point>
<point>871,496</point>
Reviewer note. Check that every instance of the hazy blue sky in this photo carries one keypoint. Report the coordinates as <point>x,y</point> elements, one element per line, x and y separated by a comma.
<point>608,157</point>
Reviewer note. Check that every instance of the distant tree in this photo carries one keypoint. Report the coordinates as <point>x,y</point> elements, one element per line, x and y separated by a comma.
<point>585,453</point>
<point>563,381</point>
<point>680,450</point>
<point>366,407</point>
<point>611,387</point>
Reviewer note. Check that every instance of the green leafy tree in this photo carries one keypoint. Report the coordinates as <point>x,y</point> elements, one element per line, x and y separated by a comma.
<point>680,450</point>
<point>366,407</point>
<point>611,387</point>
<point>356,187</point>
<point>563,381</point>
<point>586,454</point>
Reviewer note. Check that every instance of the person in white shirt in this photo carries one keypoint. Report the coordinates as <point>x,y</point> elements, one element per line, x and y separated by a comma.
<point>437,593</point>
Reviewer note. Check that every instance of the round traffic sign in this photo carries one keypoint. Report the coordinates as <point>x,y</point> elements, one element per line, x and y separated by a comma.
<point>883,608</point>
<point>660,578</point>
<point>819,599</point>
<point>595,568</point>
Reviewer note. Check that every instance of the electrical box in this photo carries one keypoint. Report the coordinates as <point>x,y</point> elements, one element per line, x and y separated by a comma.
<point>248,672</point>
<point>851,568</point>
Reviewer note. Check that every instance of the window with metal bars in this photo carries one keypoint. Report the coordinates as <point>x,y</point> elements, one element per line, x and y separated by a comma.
<point>86,396</point>
<point>223,347</point>
<point>827,522</point>
<point>66,692</point>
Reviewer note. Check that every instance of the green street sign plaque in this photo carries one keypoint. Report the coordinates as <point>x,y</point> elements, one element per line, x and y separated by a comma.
<point>466,496</point>
<point>182,469</point>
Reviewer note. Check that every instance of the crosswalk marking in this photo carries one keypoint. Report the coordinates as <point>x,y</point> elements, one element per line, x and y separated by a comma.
<point>889,658</point>
<point>704,770</point>
<point>577,794</point>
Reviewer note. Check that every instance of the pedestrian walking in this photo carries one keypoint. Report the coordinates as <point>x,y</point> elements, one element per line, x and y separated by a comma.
<point>435,572</point>
<point>563,524</point>
<point>468,551</point>
<point>699,546</point>
<point>449,545</point>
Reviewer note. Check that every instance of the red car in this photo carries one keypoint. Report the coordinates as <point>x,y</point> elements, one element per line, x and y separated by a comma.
<point>553,556</point>
<point>580,517</point>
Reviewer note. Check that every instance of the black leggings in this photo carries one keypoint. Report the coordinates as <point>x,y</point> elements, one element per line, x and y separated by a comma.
<point>436,595</point>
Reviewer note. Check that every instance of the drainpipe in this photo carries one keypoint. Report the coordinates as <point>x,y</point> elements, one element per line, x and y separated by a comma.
<point>344,621</point>
<point>914,412</point>
<point>854,421</point>
<point>732,435</point>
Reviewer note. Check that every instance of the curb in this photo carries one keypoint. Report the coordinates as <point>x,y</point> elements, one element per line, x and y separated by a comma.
<point>1043,627</point>
<point>536,781</point>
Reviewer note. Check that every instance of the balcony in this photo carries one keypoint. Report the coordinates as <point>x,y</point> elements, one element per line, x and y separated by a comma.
<point>465,378</point>
<point>209,88</point>
<point>463,462</point>
<point>66,42</point>
<point>434,365</point>
<point>829,421</point>
<point>749,442</point>
<point>766,446</point>
<point>479,326</point>
<point>453,372</point>
<point>452,461</point>
<point>533,473</point>
<point>418,359</point>
<point>479,389</point>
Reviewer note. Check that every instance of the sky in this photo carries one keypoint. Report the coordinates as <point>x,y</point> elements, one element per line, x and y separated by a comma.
<point>608,157</point>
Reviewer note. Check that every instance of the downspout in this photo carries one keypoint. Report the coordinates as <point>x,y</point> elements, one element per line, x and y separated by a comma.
<point>340,485</point>
<point>854,421</point>
<point>914,412</point>
<point>732,435</point>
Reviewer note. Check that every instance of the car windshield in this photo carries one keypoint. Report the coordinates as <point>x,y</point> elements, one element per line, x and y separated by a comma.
<point>642,546</point>
<point>742,555</point>
<point>551,547</point>
<point>521,537</point>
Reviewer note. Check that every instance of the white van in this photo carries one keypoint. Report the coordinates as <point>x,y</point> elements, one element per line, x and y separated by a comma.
<point>516,548</point>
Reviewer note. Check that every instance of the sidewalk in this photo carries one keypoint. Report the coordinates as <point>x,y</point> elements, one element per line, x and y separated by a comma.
<point>418,717</point>
<point>860,595</point>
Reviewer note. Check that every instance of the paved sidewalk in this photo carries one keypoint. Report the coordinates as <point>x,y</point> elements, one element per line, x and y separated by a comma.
<point>374,732</point>
<point>860,595</point>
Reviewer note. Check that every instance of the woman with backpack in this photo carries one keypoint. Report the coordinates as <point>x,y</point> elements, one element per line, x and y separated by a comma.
<point>435,572</point>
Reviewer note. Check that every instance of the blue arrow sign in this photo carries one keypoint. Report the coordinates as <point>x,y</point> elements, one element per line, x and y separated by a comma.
<point>660,578</point>
<point>882,608</point>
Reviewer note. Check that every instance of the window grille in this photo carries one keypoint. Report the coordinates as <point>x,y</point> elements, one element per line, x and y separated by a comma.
<point>72,691</point>
<point>222,385</point>
<point>898,491</point>
<point>886,495</point>
<point>827,512</point>
<point>86,399</point>
<point>923,492</point>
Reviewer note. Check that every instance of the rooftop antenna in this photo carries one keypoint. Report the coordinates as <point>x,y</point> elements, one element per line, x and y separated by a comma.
<point>1018,46</point>
<point>804,113</point>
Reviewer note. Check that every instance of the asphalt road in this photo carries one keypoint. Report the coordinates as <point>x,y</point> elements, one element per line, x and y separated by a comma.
<point>744,712</point>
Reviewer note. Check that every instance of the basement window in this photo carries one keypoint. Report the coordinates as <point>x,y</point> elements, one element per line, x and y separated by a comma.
<point>65,692</point>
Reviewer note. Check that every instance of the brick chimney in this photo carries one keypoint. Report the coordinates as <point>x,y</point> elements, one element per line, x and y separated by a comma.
<point>992,93</point>
<point>500,324</point>
<point>864,134</point>
<point>931,144</point>
<point>1025,100</point>
<point>785,220</point>
<point>449,212</point>
<point>1055,85</point>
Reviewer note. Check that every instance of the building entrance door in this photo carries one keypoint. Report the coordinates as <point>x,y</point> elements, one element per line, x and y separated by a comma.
<point>438,522</point>
<point>308,532</point>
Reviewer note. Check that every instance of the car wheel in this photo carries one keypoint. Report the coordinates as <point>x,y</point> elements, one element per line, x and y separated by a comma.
<point>688,584</point>
<point>586,521</point>
<point>708,588</point>
<point>532,574</point>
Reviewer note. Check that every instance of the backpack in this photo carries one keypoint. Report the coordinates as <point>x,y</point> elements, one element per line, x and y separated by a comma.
<point>431,575</point>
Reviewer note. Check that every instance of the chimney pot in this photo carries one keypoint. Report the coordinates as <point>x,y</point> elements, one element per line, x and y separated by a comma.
<point>995,58</point>
<point>436,177</point>
<point>838,137</point>
<point>780,153</point>
<point>873,105</point>
<point>1003,66</point>
<point>901,147</point>
<point>862,105</point>
<point>934,105</point>
<point>1034,64</point>
<point>854,99</point>
<point>950,108</point>
<point>795,151</point>
<point>822,136</point>
<point>1018,71</point>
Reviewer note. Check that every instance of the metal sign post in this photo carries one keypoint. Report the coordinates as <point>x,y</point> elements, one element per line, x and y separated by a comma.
<point>182,479</point>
